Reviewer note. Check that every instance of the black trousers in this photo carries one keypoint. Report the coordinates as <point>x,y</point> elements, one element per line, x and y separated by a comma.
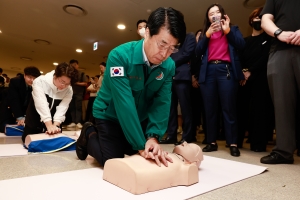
<point>109,142</point>
<point>284,82</point>
<point>197,109</point>
<point>181,91</point>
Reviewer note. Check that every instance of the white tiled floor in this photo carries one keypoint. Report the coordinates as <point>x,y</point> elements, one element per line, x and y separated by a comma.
<point>279,182</point>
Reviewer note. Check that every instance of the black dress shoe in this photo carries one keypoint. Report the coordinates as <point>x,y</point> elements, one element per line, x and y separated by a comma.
<point>168,141</point>
<point>81,144</point>
<point>210,147</point>
<point>234,151</point>
<point>180,142</point>
<point>275,158</point>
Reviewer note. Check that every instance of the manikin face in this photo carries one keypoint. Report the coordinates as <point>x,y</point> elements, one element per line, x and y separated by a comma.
<point>192,153</point>
<point>159,47</point>
<point>214,12</point>
<point>61,82</point>
<point>29,79</point>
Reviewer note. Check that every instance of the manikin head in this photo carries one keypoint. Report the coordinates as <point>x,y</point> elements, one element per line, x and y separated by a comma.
<point>191,153</point>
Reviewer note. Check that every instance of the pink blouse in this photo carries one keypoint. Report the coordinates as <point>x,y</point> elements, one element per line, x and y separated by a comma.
<point>218,47</point>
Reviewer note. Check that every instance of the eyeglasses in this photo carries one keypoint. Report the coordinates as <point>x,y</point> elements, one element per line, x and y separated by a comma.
<point>171,49</point>
<point>62,82</point>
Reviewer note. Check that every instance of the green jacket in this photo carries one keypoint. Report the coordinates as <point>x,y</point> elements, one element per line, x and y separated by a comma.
<point>125,99</point>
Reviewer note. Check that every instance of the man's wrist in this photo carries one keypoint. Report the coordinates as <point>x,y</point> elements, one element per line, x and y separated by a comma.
<point>153,136</point>
<point>20,118</point>
<point>277,32</point>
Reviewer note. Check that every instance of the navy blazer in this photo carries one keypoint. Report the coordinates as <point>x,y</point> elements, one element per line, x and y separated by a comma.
<point>182,58</point>
<point>235,42</point>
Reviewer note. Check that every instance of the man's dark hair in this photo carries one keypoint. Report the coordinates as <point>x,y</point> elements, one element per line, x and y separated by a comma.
<point>63,69</point>
<point>171,19</point>
<point>32,71</point>
<point>19,74</point>
<point>73,61</point>
<point>141,21</point>
<point>103,63</point>
<point>1,70</point>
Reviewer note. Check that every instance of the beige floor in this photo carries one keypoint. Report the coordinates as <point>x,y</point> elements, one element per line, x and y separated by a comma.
<point>279,182</point>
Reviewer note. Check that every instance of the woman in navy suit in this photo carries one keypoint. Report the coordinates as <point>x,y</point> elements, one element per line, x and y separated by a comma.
<point>220,74</point>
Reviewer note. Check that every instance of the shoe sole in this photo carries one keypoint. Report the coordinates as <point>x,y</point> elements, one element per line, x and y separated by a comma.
<point>272,163</point>
<point>209,151</point>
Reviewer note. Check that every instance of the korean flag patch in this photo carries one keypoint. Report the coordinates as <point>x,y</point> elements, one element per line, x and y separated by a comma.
<point>116,71</point>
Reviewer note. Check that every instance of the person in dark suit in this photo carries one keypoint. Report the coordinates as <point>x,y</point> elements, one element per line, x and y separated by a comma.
<point>181,90</point>
<point>14,104</point>
<point>219,75</point>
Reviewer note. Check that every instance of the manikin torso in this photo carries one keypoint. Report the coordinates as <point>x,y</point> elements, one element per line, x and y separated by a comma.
<point>138,175</point>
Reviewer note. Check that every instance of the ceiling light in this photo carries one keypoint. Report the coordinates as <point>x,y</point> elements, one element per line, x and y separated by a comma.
<point>75,10</point>
<point>42,42</point>
<point>55,63</point>
<point>26,58</point>
<point>78,50</point>
<point>0,31</point>
<point>121,26</point>
<point>41,72</point>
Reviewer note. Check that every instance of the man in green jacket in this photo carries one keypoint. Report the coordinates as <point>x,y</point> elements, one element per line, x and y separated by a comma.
<point>132,108</point>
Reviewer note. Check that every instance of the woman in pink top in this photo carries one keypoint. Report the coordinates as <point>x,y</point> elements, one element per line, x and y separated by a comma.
<point>219,75</point>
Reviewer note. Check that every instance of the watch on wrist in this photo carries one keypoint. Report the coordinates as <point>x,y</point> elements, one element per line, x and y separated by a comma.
<point>277,32</point>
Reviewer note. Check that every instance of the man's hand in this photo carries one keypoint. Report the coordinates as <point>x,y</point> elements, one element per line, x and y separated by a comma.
<point>154,151</point>
<point>247,74</point>
<point>195,83</point>
<point>295,38</point>
<point>243,82</point>
<point>286,36</point>
<point>21,122</point>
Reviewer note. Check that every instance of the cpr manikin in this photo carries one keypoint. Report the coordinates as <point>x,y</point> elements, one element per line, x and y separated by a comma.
<point>138,175</point>
<point>44,136</point>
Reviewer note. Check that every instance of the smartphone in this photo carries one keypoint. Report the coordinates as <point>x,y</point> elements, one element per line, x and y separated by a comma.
<point>216,18</point>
